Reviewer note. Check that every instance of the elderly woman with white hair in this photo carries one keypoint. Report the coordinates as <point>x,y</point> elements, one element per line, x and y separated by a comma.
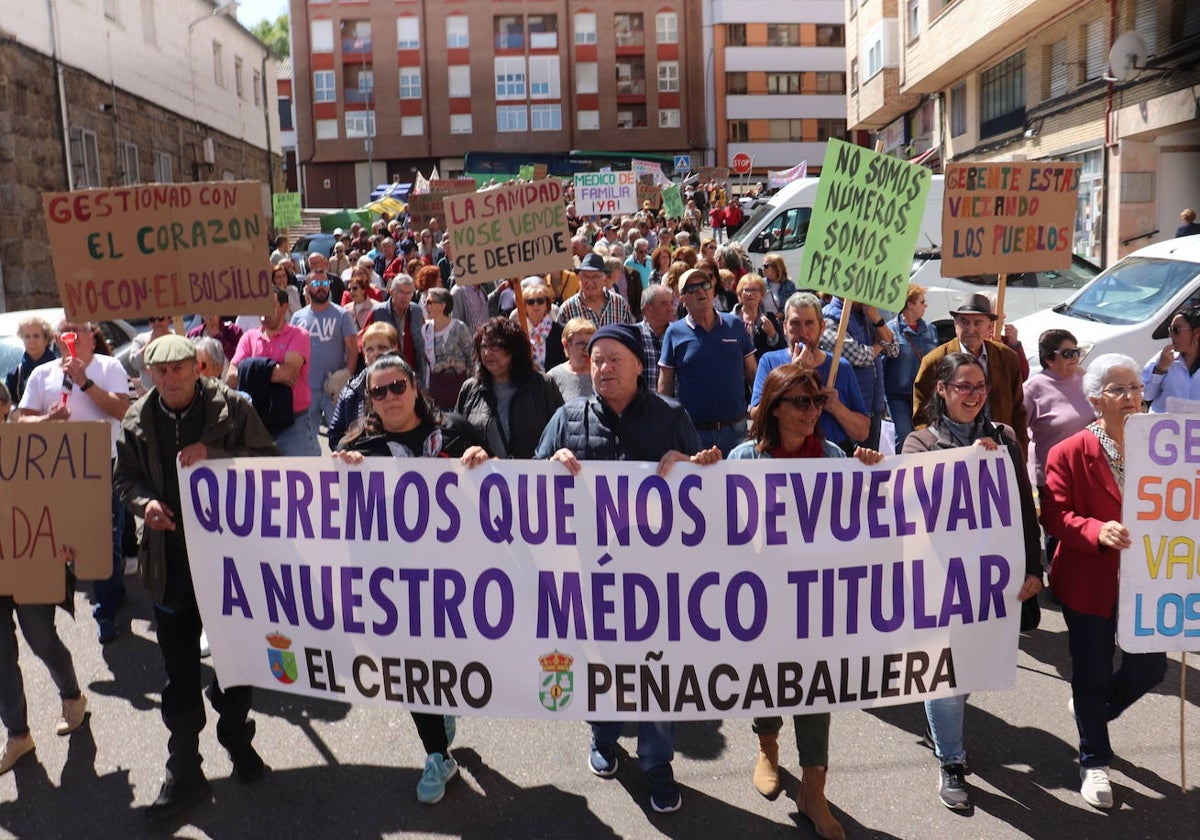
<point>1085,482</point>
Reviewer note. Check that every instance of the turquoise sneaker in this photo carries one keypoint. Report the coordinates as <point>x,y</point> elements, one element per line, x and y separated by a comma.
<point>451,728</point>
<point>438,771</point>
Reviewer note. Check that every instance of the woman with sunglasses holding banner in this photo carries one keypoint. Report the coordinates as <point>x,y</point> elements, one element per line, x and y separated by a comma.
<point>1175,372</point>
<point>404,423</point>
<point>956,417</point>
<point>787,426</point>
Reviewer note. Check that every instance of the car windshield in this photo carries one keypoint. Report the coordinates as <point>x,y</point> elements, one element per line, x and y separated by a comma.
<point>11,349</point>
<point>1132,291</point>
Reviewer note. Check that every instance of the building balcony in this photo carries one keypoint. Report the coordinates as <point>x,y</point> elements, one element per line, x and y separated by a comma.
<point>356,46</point>
<point>357,95</point>
<point>631,87</point>
<point>951,44</point>
<point>879,101</point>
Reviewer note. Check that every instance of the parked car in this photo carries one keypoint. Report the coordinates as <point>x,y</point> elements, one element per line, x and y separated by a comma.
<point>1128,307</point>
<point>119,335</point>
<point>305,245</point>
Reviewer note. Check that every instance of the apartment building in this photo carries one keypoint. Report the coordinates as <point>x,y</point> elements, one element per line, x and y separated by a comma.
<point>385,88</point>
<point>103,93</point>
<point>779,76</point>
<point>1004,80</point>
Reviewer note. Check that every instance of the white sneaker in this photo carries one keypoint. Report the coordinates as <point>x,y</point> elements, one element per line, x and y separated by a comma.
<point>14,750</point>
<point>1096,789</point>
<point>205,651</point>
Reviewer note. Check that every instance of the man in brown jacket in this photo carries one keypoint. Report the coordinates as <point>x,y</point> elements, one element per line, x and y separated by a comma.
<point>1005,399</point>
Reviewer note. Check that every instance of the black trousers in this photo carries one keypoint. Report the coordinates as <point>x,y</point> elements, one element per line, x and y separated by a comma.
<point>182,705</point>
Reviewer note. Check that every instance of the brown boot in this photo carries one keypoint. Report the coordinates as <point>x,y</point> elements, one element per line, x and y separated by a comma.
<point>766,769</point>
<point>810,799</point>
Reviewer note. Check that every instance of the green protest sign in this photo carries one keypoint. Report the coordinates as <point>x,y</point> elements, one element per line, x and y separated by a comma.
<point>525,173</point>
<point>864,226</point>
<point>286,209</point>
<point>672,202</point>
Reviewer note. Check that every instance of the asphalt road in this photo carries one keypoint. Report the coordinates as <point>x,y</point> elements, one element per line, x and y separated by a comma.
<point>351,772</point>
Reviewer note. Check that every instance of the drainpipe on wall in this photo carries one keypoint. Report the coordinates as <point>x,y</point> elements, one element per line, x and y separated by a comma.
<point>267,122</point>
<point>1109,143</point>
<point>61,90</point>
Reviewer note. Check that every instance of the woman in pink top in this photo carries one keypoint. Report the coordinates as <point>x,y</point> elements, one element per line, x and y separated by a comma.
<point>1054,401</point>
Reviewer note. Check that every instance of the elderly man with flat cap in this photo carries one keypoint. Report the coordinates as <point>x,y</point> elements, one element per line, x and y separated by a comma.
<point>182,420</point>
<point>595,301</point>
<point>626,421</point>
<point>973,323</point>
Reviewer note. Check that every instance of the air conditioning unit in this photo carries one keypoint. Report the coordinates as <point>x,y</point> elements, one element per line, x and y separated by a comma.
<point>210,150</point>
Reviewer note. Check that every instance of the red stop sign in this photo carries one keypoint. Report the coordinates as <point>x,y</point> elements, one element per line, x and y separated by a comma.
<point>741,163</point>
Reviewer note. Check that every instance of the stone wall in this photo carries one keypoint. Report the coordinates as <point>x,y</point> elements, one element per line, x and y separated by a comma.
<point>33,159</point>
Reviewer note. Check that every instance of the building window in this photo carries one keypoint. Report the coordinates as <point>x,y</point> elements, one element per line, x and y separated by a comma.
<point>410,82</point>
<point>511,118</point>
<point>631,77</point>
<point>85,158</point>
<point>323,86</point>
<point>666,28</point>
<point>958,109</point>
<point>587,77</point>
<point>321,36</point>
<point>460,80</point>
<point>1002,96</point>
<point>239,83</point>
<point>412,126</point>
<point>629,28</point>
<point>831,82</point>
<point>784,83</point>
<point>127,157</point>
<point>587,120</point>
<point>831,35</point>
<point>510,78</point>
<point>543,32</point>
<point>164,167</point>
<point>256,83</point>
<point>1056,69</point>
<point>285,114</point>
<point>1185,20</point>
<point>545,117</point>
<point>408,33</point>
<point>1145,23</point>
<point>735,34</point>
<point>854,75</point>
<point>585,28</point>
<point>668,77</point>
<point>914,19</point>
<point>326,129</point>
<point>668,118</point>
<point>460,124</point>
<point>509,31</point>
<point>737,131</point>
<point>360,124</point>
<point>783,34</point>
<point>457,32</point>
<point>785,131</point>
<point>1095,49</point>
<point>544,77</point>
<point>218,64</point>
<point>874,58</point>
<point>735,83</point>
<point>831,130</point>
<point>631,116</point>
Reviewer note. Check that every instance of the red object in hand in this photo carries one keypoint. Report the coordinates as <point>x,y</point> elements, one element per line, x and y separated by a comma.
<point>69,340</point>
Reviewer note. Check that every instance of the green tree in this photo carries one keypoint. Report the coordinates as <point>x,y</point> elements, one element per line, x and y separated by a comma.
<point>273,33</point>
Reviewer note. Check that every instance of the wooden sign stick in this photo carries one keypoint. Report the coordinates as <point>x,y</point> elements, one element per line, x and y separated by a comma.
<point>1001,286</point>
<point>522,317</point>
<point>1182,709</point>
<point>843,325</point>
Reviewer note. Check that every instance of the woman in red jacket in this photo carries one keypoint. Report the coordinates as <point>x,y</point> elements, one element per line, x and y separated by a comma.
<point>1085,477</point>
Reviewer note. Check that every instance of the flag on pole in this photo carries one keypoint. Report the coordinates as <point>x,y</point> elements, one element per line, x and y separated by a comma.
<point>777,179</point>
<point>420,184</point>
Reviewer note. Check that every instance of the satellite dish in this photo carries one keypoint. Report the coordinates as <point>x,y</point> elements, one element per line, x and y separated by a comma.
<point>1127,58</point>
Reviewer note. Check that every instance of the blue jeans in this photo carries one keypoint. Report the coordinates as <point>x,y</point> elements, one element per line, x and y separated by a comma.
<point>321,410</point>
<point>901,409</point>
<point>108,595</point>
<point>300,438</point>
<point>724,439</point>
<point>655,741</point>
<point>1100,694</point>
<point>945,717</point>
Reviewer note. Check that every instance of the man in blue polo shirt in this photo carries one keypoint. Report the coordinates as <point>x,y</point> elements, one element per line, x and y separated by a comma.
<point>707,362</point>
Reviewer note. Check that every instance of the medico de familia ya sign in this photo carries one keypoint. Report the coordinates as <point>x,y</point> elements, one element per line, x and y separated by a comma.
<point>517,590</point>
<point>1159,604</point>
<point>160,249</point>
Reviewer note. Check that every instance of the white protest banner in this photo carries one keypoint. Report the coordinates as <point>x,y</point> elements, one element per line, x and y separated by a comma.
<point>645,167</point>
<point>605,193</point>
<point>518,590</point>
<point>783,177</point>
<point>1159,605</point>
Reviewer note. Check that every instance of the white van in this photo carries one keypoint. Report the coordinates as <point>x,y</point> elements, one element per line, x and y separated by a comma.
<point>780,225</point>
<point>1128,307</point>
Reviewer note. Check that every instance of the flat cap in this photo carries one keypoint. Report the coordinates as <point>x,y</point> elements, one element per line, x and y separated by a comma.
<point>169,348</point>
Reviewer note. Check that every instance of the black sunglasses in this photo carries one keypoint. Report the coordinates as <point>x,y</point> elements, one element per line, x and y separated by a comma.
<point>538,301</point>
<point>702,286</point>
<point>379,392</point>
<point>1068,353</point>
<point>804,403</point>
<point>1176,329</point>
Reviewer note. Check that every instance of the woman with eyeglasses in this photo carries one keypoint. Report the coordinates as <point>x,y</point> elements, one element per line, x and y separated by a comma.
<point>404,423</point>
<point>545,333</point>
<point>1085,483</point>
<point>282,278</point>
<point>356,300</point>
<point>779,287</point>
<point>1055,405</point>
<point>956,418</point>
<point>763,326</point>
<point>574,376</point>
<point>447,348</point>
<point>788,426</point>
<point>1175,372</point>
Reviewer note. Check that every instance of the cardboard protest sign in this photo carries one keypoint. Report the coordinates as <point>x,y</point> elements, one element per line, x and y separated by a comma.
<point>428,205</point>
<point>647,190</point>
<point>55,490</point>
<point>1159,606</point>
<point>672,202</point>
<point>285,208</point>
<point>763,589</point>
<point>642,168</point>
<point>540,171</point>
<point>605,193</point>
<point>864,226</point>
<point>508,232</point>
<point>160,249</point>
<point>1008,217</point>
<point>720,174</point>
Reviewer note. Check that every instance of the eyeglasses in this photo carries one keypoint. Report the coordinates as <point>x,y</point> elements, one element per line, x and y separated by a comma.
<point>537,301</point>
<point>379,348</point>
<point>804,403</point>
<point>1118,392</point>
<point>579,345</point>
<point>965,389</point>
<point>1176,329</point>
<point>156,318</point>
<point>702,286</point>
<point>379,392</point>
<point>1067,353</point>
<point>318,282</point>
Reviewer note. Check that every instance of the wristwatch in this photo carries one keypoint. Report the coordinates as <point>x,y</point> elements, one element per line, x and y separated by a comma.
<point>87,383</point>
